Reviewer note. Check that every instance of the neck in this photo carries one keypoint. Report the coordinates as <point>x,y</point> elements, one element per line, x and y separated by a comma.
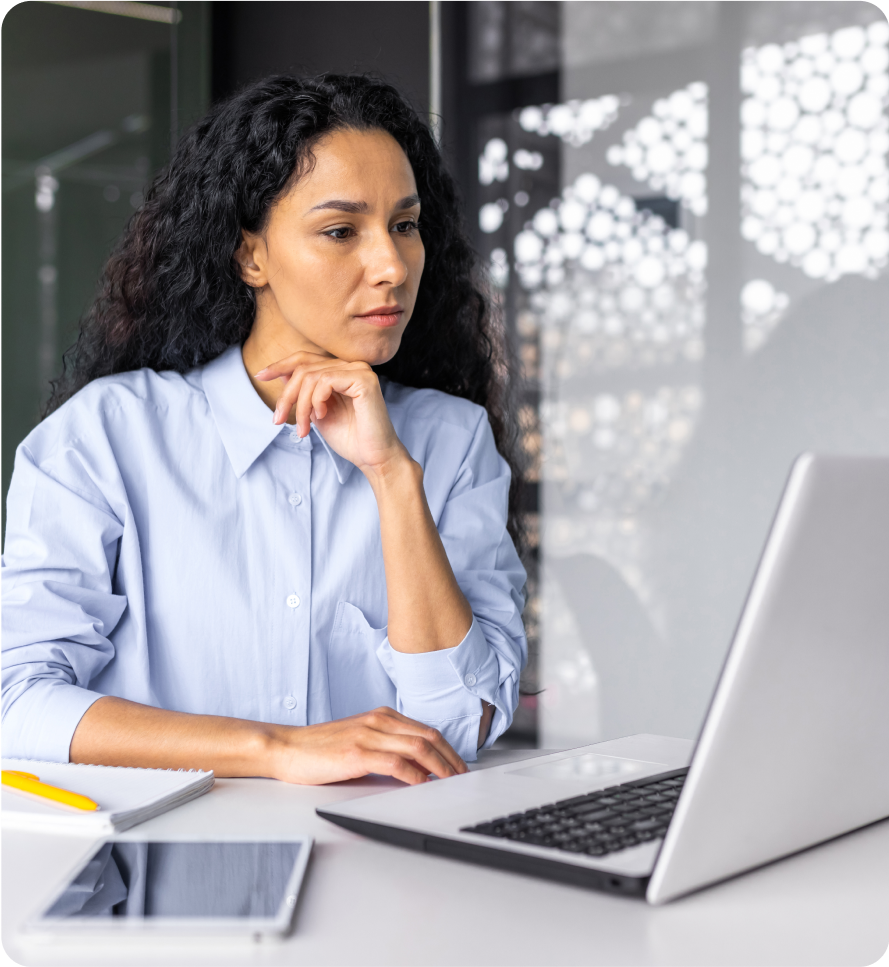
<point>272,339</point>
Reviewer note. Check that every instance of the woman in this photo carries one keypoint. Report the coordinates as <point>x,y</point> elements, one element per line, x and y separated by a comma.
<point>264,529</point>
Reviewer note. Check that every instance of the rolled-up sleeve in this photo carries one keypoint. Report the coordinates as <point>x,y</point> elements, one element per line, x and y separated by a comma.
<point>445,688</point>
<point>59,607</point>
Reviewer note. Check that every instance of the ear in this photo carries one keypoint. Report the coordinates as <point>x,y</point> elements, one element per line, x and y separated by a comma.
<point>250,257</point>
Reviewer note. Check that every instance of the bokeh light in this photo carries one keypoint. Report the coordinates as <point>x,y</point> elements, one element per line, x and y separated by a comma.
<point>493,162</point>
<point>612,456</point>
<point>814,143</point>
<point>623,284</point>
<point>499,268</point>
<point>761,310</point>
<point>575,122</point>
<point>627,443</point>
<point>668,149</point>
<point>814,140</point>
<point>490,216</point>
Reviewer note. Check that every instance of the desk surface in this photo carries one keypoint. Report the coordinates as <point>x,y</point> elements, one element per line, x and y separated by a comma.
<point>367,903</point>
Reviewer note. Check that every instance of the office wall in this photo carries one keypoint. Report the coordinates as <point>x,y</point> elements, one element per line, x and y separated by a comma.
<point>92,101</point>
<point>251,39</point>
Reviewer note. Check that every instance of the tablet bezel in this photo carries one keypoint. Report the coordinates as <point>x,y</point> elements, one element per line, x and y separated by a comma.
<point>279,925</point>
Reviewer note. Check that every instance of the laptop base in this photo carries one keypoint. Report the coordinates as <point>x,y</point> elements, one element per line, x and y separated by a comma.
<point>537,866</point>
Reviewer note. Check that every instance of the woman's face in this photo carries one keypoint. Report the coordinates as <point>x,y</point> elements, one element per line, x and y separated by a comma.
<point>338,266</point>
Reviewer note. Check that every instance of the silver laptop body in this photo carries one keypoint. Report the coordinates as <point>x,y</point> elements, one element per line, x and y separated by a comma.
<point>794,749</point>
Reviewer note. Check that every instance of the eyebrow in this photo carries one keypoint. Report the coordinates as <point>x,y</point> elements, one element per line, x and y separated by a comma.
<point>360,207</point>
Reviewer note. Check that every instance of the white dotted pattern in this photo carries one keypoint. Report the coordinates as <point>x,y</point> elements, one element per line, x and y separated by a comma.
<point>668,149</point>
<point>648,280</point>
<point>814,143</point>
<point>575,121</point>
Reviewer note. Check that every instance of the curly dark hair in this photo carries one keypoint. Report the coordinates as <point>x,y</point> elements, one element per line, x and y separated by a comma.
<point>171,296</point>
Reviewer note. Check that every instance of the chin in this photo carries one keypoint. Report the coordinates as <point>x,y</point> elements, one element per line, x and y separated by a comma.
<point>377,351</point>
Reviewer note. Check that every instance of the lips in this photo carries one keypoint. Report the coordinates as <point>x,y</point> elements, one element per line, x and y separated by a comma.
<point>383,316</point>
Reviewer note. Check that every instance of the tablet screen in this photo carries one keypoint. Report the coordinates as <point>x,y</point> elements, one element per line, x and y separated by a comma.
<point>170,880</point>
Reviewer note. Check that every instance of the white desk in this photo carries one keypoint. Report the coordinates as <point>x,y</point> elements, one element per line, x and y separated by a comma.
<point>367,903</point>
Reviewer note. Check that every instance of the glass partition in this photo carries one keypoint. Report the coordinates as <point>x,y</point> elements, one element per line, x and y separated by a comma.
<point>93,97</point>
<point>690,242</point>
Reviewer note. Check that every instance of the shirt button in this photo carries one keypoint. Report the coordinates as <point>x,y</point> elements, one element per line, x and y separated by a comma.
<point>293,602</point>
<point>295,499</point>
<point>290,702</point>
<point>469,679</point>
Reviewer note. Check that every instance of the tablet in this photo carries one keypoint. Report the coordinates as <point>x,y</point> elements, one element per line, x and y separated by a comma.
<point>218,886</point>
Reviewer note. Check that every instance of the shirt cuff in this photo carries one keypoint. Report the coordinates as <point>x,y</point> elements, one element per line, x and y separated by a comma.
<point>41,722</point>
<point>445,688</point>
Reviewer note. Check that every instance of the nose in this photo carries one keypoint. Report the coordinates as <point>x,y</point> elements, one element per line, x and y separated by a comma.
<point>383,262</point>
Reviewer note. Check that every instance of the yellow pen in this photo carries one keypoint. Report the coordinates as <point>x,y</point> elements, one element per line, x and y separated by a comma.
<point>26,782</point>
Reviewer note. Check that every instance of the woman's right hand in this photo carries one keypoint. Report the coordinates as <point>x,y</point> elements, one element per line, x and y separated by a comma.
<point>116,732</point>
<point>382,741</point>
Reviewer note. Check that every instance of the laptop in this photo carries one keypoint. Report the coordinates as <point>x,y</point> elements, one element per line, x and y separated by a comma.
<point>794,749</point>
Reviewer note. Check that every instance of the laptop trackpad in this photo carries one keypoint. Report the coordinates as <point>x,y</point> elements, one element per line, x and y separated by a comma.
<point>588,766</point>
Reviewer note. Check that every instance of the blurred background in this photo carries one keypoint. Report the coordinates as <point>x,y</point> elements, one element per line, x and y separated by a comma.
<point>684,211</point>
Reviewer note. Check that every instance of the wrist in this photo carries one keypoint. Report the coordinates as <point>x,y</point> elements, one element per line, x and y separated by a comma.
<point>395,471</point>
<point>265,747</point>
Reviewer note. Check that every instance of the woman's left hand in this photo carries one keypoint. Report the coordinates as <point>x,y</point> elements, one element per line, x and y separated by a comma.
<point>344,401</point>
<point>427,609</point>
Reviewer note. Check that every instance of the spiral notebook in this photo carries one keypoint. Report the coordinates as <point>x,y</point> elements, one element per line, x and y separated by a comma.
<point>126,796</point>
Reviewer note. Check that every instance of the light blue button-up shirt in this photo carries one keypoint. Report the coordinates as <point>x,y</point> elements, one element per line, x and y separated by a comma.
<point>168,544</point>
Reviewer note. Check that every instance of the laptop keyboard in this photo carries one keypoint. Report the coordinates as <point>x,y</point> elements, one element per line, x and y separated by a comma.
<point>598,823</point>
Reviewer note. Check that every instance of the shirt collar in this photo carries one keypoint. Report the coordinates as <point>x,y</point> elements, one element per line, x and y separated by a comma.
<point>341,466</point>
<point>244,422</point>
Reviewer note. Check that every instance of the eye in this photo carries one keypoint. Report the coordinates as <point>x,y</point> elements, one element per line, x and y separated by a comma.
<point>339,234</point>
<point>407,227</point>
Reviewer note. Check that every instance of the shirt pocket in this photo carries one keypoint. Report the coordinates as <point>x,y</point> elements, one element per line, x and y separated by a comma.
<point>355,677</point>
